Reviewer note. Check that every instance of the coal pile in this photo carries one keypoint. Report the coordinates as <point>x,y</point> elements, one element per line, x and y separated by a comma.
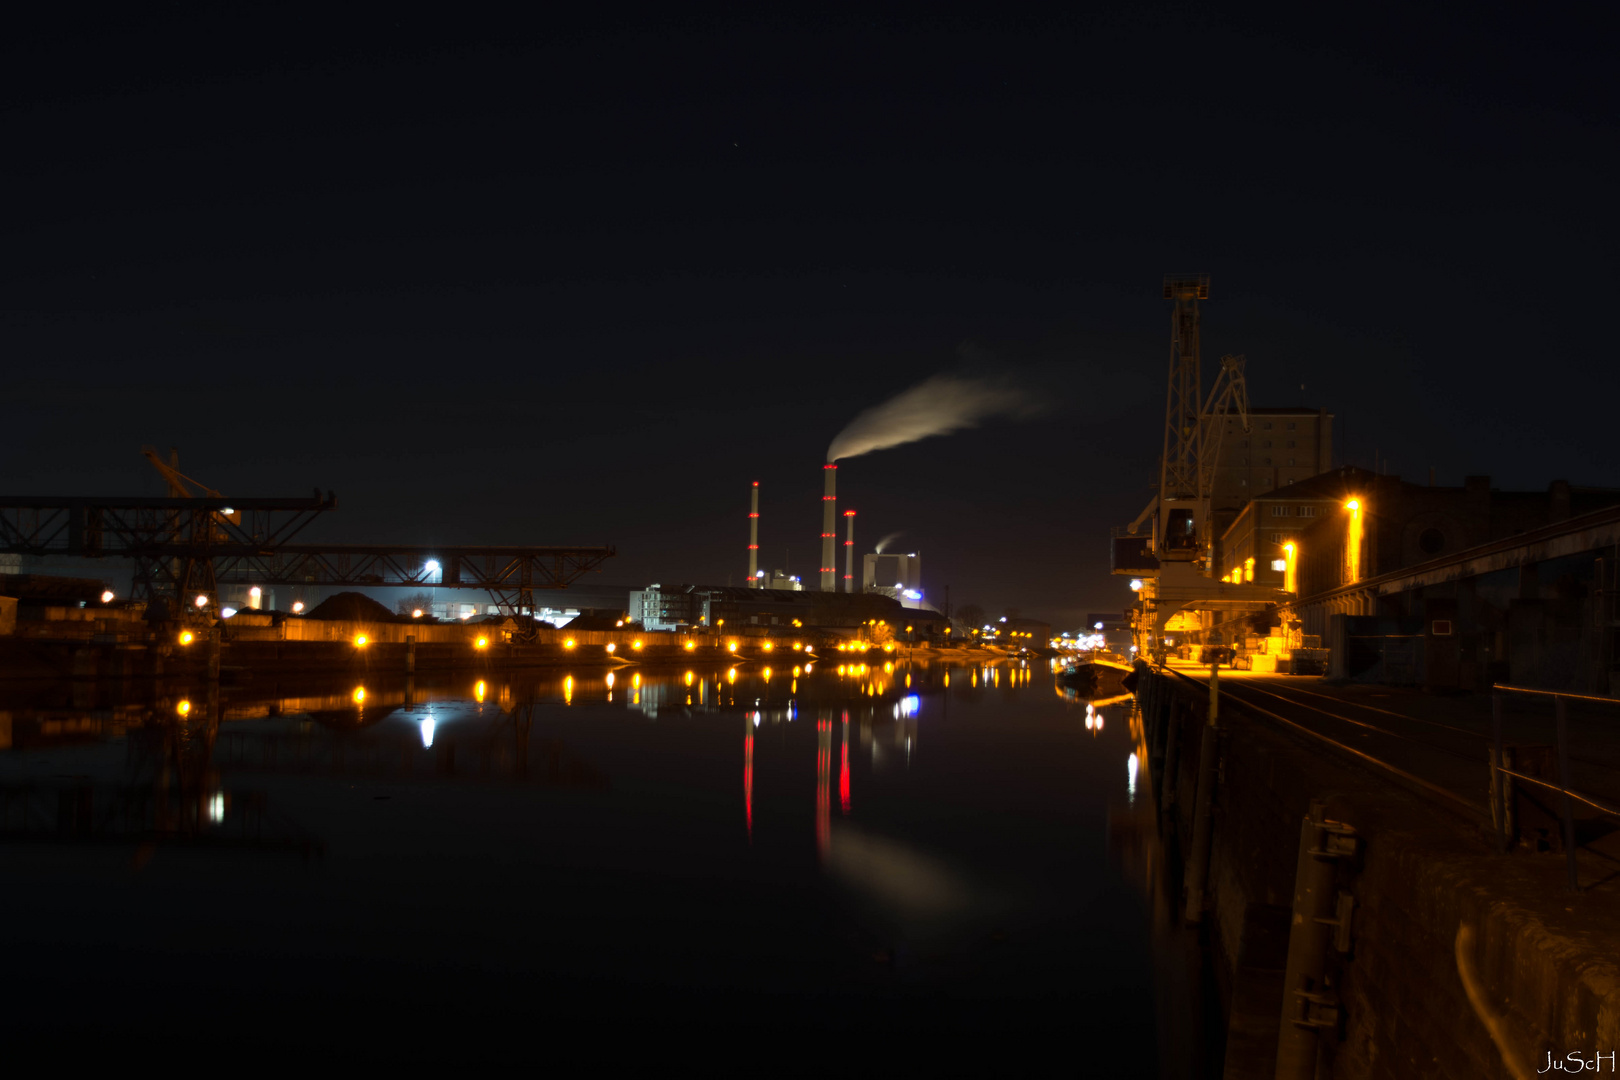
<point>351,607</point>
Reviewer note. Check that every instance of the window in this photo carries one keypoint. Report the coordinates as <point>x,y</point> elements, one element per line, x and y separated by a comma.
<point>1244,445</point>
<point>1307,511</point>
<point>1290,461</point>
<point>1266,445</point>
<point>1291,426</point>
<point>1280,565</point>
<point>1244,482</point>
<point>1266,426</point>
<point>1290,441</point>
<point>1280,510</point>
<point>1243,461</point>
<point>1265,461</point>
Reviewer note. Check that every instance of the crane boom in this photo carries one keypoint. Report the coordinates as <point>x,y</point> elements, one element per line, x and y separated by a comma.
<point>177,480</point>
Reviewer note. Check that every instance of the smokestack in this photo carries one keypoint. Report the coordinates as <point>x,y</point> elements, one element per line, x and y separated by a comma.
<point>829,528</point>
<point>753,538</point>
<point>849,553</point>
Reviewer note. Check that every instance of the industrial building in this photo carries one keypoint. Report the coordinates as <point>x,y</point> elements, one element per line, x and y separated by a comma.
<point>896,575</point>
<point>686,606</point>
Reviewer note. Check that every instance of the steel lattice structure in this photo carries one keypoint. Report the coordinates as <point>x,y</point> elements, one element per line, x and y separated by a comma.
<point>185,547</point>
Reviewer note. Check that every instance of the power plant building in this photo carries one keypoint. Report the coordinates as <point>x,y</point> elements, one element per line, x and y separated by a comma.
<point>892,575</point>
<point>689,606</point>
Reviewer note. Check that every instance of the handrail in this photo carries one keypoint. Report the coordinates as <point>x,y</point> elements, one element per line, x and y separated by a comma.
<point>1562,791</point>
<point>1556,693</point>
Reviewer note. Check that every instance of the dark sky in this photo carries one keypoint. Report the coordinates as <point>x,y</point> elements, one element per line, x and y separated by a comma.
<point>506,283</point>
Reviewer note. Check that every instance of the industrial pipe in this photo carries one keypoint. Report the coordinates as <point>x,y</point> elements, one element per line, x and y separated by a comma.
<point>849,553</point>
<point>829,528</point>
<point>1307,1005</point>
<point>753,538</point>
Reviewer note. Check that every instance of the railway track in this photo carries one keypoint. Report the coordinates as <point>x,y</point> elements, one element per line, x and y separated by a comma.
<point>1447,761</point>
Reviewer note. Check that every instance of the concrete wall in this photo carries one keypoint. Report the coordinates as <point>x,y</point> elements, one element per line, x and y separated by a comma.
<point>1544,959</point>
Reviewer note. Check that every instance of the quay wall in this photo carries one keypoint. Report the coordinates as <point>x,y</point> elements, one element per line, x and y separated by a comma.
<point>1543,960</point>
<point>88,643</point>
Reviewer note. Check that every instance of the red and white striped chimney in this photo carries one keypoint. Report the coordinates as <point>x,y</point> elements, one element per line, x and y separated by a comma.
<point>849,553</point>
<point>753,538</point>
<point>829,528</point>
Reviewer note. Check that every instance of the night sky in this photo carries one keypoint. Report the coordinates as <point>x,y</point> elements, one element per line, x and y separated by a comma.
<point>545,283</point>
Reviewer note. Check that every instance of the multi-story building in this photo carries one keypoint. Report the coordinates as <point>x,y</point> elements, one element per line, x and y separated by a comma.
<point>1253,547</point>
<point>1281,447</point>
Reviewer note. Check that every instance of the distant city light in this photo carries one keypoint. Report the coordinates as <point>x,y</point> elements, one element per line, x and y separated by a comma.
<point>227,511</point>
<point>226,612</point>
<point>427,731</point>
<point>913,594</point>
<point>255,591</point>
<point>298,607</point>
<point>187,637</point>
<point>183,707</point>
<point>611,648</point>
<point>216,807</point>
<point>568,643</point>
<point>1136,584</point>
<point>361,641</point>
<point>1353,504</point>
<point>107,596</point>
<point>481,643</point>
<point>1094,626</point>
<point>202,600</point>
<point>431,566</point>
<point>416,613</point>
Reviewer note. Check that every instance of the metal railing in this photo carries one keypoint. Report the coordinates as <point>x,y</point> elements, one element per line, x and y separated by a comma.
<point>1501,800</point>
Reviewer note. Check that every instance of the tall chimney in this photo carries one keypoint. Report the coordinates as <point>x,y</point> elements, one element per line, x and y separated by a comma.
<point>849,553</point>
<point>829,528</point>
<point>753,538</point>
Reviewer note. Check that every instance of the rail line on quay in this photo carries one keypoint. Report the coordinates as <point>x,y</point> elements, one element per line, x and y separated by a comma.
<point>1474,810</point>
<point>1492,812</point>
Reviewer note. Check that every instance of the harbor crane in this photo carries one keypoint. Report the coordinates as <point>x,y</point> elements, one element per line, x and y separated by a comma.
<point>1174,566</point>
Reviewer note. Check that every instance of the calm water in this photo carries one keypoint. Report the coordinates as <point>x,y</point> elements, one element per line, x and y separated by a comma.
<point>725,869</point>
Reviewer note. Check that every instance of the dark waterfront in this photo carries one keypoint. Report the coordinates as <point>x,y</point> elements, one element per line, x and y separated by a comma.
<point>653,865</point>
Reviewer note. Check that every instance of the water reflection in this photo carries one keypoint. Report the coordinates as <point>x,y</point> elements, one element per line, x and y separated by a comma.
<point>629,774</point>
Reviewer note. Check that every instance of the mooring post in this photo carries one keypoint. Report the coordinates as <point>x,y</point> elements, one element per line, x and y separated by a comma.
<point>1560,711</point>
<point>1498,808</point>
<point>1307,1006</point>
<point>410,654</point>
<point>1204,804</point>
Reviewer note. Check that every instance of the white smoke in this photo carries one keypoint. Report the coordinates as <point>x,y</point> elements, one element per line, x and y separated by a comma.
<point>883,543</point>
<point>936,406</point>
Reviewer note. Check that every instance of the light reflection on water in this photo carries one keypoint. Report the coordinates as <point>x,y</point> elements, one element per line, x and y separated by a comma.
<point>956,859</point>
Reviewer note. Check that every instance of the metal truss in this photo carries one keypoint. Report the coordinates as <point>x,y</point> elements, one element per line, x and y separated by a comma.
<point>172,541</point>
<point>509,574</point>
<point>189,547</point>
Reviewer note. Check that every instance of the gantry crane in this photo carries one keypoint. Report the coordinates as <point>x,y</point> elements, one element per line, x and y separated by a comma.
<point>192,576</point>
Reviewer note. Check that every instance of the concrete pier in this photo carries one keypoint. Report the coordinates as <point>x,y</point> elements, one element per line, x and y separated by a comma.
<point>1422,875</point>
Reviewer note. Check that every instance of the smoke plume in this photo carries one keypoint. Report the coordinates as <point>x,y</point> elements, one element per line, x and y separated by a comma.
<point>936,406</point>
<point>883,543</point>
